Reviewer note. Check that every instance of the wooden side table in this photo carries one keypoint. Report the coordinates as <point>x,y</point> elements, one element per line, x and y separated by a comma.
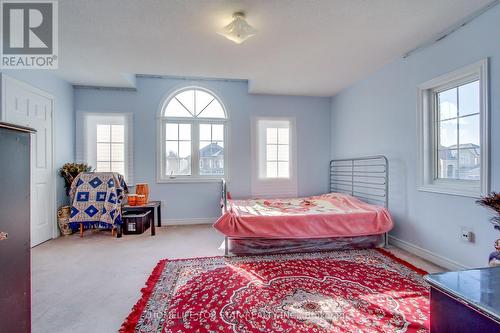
<point>152,206</point>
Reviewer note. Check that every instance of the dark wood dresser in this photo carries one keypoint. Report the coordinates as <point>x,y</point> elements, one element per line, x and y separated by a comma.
<point>15,271</point>
<point>465,301</point>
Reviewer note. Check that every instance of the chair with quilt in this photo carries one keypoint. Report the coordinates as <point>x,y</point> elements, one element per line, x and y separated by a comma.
<point>96,199</point>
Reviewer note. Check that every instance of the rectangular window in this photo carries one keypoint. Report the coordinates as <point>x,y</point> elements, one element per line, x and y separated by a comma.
<point>274,157</point>
<point>104,141</point>
<point>211,150</point>
<point>458,127</point>
<point>110,141</point>
<point>178,149</point>
<point>277,152</point>
<point>453,132</point>
<point>193,151</point>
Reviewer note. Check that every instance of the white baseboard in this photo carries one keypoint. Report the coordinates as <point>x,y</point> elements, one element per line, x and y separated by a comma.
<point>426,254</point>
<point>196,220</point>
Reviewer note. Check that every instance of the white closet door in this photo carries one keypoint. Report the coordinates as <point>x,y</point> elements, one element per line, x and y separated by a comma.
<point>27,106</point>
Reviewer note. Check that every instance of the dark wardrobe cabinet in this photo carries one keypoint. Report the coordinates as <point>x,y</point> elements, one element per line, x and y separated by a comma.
<point>15,271</point>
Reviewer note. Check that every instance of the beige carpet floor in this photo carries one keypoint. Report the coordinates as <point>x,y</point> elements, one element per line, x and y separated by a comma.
<point>89,284</point>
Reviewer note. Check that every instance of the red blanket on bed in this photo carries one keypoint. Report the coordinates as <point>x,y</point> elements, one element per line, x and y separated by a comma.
<point>327,215</point>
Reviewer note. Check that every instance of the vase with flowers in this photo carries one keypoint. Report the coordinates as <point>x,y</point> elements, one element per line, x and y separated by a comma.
<point>492,201</point>
<point>69,171</point>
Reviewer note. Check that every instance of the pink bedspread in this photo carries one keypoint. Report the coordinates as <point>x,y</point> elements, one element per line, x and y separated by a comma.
<point>327,215</point>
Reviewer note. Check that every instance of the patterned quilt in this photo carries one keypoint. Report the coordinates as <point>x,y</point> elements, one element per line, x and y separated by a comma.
<point>96,199</point>
<point>323,216</point>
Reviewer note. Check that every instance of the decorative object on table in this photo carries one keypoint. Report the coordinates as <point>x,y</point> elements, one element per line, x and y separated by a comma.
<point>141,200</point>
<point>69,171</point>
<point>132,199</point>
<point>142,189</point>
<point>136,222</point>
<point>96,200</point>
<point>492,201</point>
<point>494,259</point>
<point>305,292</point>
<point>63,214</point>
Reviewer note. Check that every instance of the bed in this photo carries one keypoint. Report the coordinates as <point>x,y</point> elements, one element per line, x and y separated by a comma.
<point>352,215</point>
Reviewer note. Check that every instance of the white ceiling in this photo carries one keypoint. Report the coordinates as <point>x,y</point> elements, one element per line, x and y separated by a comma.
<point>315,47</point>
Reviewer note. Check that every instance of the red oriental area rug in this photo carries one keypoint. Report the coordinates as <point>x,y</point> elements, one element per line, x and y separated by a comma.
<point>342,291</point>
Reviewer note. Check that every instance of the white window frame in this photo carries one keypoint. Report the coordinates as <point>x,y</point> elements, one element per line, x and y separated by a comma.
<point>272,187</point>
<point>427,135</point>
<point>162,120</point>
<point>85,138</point>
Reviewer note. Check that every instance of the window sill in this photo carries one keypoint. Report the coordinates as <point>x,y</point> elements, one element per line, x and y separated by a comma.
<point>190,180</point>
<point>456,191</point>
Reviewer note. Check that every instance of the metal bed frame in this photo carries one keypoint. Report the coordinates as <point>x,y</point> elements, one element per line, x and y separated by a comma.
<point>366,178</point>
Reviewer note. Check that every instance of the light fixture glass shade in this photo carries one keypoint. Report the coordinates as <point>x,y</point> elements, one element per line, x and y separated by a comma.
<point>238,30</point>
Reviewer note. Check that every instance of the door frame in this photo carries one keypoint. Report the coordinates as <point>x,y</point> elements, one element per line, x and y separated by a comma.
<point>3,115</point>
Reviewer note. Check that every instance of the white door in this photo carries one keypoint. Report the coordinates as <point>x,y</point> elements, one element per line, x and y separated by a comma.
<point>28,106</point>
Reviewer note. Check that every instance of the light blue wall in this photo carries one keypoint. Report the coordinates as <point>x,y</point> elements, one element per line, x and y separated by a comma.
<point>378,116</point>
<point>64,117</point>
<point>185,201</point>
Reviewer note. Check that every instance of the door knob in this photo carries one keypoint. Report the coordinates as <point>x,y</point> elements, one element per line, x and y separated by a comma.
<point>3,235</point>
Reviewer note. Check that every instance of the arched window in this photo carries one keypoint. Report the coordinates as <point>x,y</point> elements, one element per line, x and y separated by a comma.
<point>192,129</point>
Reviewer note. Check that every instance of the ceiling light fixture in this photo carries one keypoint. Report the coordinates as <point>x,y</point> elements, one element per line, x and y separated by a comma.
<point>238,30</point>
